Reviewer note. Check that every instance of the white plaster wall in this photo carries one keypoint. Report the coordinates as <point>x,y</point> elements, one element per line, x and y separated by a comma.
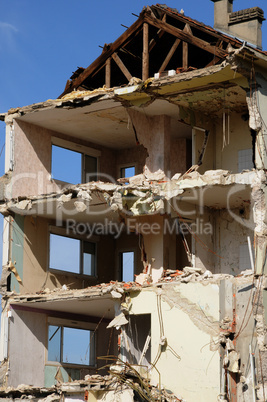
<point>27,348</point>
<point>190,315</point>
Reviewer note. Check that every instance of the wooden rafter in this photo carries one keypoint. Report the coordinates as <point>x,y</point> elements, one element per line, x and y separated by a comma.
<point>170,54</point>
<point>160,33</point>
<point>145,68</point>
<point>188,30</point>
<point>197,25</point>
<point>101,60</point>
<point>122,66</point>
<point>186,37</point>
<point>108,73</point>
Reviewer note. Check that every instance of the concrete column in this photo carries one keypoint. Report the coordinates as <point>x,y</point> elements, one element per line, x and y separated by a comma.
<point>153,133</point>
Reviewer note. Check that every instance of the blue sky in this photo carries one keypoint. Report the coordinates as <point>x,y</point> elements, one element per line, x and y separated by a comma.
<point>43,42</point>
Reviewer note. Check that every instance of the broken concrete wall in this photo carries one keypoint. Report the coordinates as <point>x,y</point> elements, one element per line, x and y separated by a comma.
<point>257,99</point>
<point>209,155</point>
<point>238,309</point>
<point>187,315</point>
<point>154,134</point>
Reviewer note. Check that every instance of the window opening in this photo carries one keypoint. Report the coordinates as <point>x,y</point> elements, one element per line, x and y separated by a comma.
<point>127,171</point>
<point>72,255</point>
<point>127,266</point>
<point>72,167</point>
<point>71,345</point>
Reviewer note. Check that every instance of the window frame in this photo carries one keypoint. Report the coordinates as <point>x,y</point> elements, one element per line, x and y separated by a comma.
<point>75,147</point>
<point>65,323</point>
<point>59,231</point>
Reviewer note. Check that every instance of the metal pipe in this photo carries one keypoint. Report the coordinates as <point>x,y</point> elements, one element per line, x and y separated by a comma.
<point>252,373</point>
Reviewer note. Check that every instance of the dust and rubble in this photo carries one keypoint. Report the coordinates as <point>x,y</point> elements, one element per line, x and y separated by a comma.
<point>145,193</point>
<point>123,384</point>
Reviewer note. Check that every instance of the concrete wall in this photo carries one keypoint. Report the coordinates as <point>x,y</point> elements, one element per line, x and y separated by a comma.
<point>189,365</point>
<point>27,340</point>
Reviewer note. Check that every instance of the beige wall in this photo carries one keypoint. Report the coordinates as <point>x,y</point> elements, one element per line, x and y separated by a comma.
<point>189,367</point>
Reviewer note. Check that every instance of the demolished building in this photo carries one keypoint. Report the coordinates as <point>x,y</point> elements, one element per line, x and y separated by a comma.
<point>134,242</point>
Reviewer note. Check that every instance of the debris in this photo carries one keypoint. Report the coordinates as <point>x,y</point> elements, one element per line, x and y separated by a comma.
<point>11,267</point>
<point>233,364</point>
<point>115,294</point>
<point>118,321</point>
<point>80,206</point>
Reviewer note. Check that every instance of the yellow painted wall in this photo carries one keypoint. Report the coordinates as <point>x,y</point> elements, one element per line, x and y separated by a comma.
<point>190,314</point>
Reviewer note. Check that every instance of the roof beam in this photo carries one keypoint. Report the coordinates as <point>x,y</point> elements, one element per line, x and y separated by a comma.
<point>145,67</point>
<point>131,31</point>
<point>170,54</point>
<point>186,37</point>
<point>185,47</point>
<point>108,73</point>
<point>122,66</point>
<point>160,33</point>
<point>198,25</point>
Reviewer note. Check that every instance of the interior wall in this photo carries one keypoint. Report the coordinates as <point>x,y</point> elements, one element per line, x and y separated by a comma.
<point>204,241</point>
<point>32,160</point>
<point>132,156</point>
<point>190,317</point>
<point>27,339</point>
<point>27,358</point>
<point>36,260</point>
<point>31,175</point>
<point>178,156</point>
<point>239,138</point>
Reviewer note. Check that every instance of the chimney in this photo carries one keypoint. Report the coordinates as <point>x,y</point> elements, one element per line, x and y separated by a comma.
<point>245,24</point>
